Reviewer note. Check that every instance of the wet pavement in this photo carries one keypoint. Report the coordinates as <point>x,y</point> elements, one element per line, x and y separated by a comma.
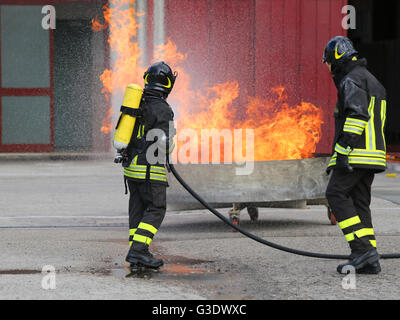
<point>72,218</point>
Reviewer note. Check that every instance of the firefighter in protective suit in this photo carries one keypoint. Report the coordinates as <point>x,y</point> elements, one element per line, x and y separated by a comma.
<point>146,179</point>
<point>359,151</point>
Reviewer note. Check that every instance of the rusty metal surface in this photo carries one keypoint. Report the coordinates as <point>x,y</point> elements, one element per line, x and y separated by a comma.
<point>270,181</point>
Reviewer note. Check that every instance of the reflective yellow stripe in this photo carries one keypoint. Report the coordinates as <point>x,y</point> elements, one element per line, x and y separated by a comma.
<point>351,129</point>
<point>337,55</point>
<point>142,239</point>
<point>379,162</point>
<point>359,233</point>
<point>358,158</point>
<point>159,170</point>
<point>349,237</point>
<point>373,242</point>
<point>357,122</point>
<point>156,173</point>
<point>140,132</point>
<point>364,232</point>
<point>171,148</point>
<point>142,176</point>
<point>370,142</point>
<point>157,177</point>
<point>375,153</point>
<point>383,120</point>
<point>154,176</point>
<point>168,85</point>
<point>370,151</point>
<point>136,169</point>
<point>162,175</point>
<point>353,125</point>
<point>136,166</point>
<point>373,146</point>
<point>142,168</point>
<point>135,175</point>
<point>148,227</point>
<point>342,150</point>
<point>139,171</point>
<point>349,222</point>
<point>332,162</point>
<point>131,233</point>
<point>156,168</point>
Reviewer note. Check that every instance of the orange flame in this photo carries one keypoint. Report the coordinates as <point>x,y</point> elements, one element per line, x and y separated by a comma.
<point>121,21</point>
<point>281,131</point>
<point>97,26</point>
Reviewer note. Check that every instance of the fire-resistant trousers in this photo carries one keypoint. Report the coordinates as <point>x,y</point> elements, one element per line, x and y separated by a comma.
<point>147,206</point>
<point>349,196</point>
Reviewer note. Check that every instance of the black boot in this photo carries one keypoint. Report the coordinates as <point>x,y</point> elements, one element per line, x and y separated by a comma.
<point>360,261</point>
<point>144,258</point>
<point>374,268</point>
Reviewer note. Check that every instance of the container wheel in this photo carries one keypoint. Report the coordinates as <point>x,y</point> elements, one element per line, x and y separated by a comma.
<point>234,215</point>
<point>253,213</point>
<point>331,217</point>
<point>235,221</point>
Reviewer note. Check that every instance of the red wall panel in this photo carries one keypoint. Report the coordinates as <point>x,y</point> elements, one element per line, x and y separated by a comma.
<point>188,25</point>
<point>231,44</point>
<point>262,44</point>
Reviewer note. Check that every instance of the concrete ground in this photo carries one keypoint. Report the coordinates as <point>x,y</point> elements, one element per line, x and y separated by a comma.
<point>72,216</point>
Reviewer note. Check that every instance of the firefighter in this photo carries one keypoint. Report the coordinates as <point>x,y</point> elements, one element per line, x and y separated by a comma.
<point>359,151</point>
<point>146,178</point>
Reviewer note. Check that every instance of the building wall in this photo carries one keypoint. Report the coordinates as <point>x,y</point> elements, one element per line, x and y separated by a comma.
<point>262,44</point>
<point>50,92</point>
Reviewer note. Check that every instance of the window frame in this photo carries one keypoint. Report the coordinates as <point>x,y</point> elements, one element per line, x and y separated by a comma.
<point>29,92</point>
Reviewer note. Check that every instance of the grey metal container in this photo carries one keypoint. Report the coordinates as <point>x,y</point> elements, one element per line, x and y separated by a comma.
<point>285,183</point>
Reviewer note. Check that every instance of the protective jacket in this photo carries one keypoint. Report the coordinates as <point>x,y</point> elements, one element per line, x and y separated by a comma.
<point>157,114</point>
<point>360,116</point>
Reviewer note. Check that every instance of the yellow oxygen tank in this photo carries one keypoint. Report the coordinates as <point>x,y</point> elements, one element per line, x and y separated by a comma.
<point>126,122</point>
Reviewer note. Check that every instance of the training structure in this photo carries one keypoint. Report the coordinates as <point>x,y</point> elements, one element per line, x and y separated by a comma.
<point>271,183</point>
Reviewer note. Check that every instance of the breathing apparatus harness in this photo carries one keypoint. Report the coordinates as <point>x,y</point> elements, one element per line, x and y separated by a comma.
<point>252,236</point>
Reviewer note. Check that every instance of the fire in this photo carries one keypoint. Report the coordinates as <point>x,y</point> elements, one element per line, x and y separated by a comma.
<point>121,21</point>
<point>281,131</point>
<point>97,26</point>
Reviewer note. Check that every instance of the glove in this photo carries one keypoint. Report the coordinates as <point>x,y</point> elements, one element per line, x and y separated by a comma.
<point>342,163</point>
<point>342,158</point>
<point>118,158</point>
<point>121,156</point>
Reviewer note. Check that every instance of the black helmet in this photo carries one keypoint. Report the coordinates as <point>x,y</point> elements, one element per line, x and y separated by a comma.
<point>338,50</point>
<point>159,77</point>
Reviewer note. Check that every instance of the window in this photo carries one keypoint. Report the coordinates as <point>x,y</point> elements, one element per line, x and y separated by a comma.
<point>26,82</point>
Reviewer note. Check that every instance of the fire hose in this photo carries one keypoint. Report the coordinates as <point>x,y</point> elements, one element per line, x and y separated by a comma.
<point>252,236</point>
